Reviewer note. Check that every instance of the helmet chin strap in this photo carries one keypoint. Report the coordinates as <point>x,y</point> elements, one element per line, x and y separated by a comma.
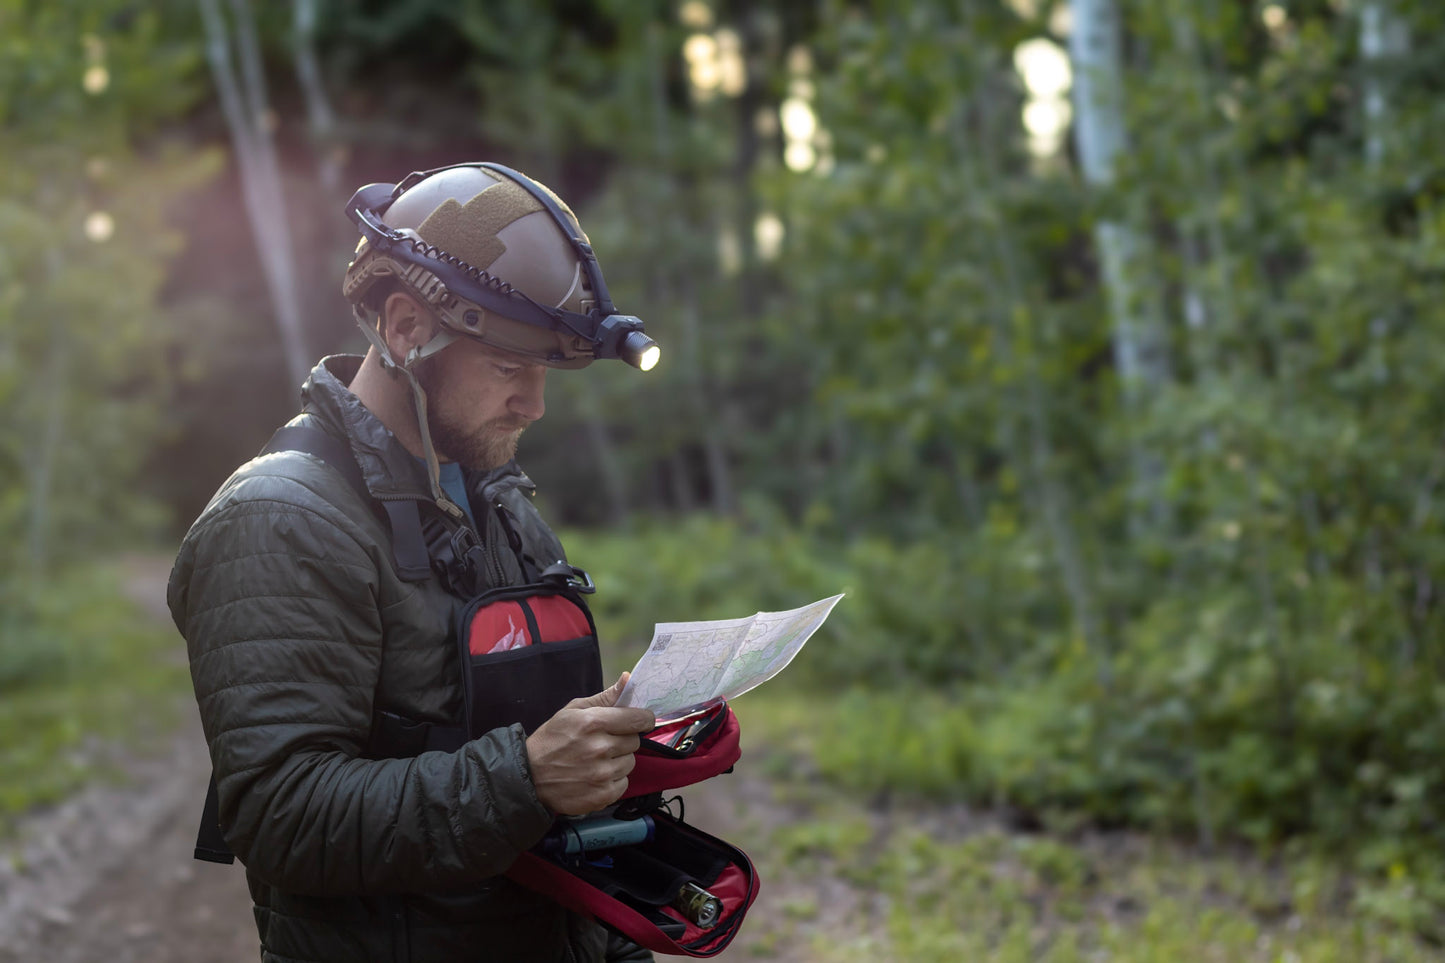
<point>442,339</point>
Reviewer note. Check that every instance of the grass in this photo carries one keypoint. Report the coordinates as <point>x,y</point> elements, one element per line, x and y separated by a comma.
<point>82,670</point>
<point>911,876</point>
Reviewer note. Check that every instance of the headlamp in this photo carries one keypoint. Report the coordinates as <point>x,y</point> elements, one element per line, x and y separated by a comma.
<point>622,337</point>
<point>601,332</point>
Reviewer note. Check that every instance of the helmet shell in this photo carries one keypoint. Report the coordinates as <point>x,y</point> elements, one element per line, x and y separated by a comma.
<point>489,222</point>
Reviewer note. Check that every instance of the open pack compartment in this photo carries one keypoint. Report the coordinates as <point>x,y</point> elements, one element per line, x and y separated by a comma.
<point>636,889</point>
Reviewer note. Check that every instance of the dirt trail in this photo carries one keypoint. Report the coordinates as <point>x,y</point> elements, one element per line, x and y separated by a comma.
<point>108,877</point>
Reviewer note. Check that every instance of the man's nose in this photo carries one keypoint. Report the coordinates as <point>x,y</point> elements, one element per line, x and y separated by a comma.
<point>527,401</point>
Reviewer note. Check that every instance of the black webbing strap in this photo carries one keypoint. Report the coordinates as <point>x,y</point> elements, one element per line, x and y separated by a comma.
<point>408,544</point>
<point>327,447</point>
<point>210,844</point>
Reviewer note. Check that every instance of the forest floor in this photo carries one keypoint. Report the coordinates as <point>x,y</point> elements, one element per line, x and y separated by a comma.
<point>108,876</point>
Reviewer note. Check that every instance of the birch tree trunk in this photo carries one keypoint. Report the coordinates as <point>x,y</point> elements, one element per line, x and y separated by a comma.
<point>1139,344</point>
<point>1383,37</point>
<point>243,102</point>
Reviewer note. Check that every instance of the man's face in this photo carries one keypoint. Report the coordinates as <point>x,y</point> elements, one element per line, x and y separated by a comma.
<point>478,401</point>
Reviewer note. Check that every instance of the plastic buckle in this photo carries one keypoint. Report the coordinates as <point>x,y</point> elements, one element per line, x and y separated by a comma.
<point>573,577</point>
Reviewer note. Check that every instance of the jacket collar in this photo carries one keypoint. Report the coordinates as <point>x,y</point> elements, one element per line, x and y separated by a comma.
<point>386,466</point>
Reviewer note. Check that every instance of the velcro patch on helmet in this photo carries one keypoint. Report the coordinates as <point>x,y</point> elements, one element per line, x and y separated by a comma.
<point>470,231</point>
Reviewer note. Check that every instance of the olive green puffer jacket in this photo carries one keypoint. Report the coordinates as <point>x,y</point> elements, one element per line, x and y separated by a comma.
<point>299,632</point>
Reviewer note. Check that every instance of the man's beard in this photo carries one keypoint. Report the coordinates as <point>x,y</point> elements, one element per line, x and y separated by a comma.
<point>480,450</point>
<point>491,446</point>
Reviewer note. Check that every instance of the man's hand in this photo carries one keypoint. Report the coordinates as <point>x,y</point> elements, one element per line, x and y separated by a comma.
<point>581,756</point>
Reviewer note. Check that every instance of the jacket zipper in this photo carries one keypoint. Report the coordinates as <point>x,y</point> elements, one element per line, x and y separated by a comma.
<point>494,557</point>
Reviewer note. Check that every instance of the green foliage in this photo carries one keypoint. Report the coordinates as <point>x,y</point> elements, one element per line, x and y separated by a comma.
<point>85,245</point>
<point>78,662</point>
<point>909,615</point>
<point>28,656</point>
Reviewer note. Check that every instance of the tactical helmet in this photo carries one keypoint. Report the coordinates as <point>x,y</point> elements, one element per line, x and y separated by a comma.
<point>497,257</point>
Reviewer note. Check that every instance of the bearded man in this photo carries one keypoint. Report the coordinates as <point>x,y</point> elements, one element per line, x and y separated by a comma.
<point>318,595</point>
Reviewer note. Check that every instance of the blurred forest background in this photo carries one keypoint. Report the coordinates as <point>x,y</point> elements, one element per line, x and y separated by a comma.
<point>1094,347</point>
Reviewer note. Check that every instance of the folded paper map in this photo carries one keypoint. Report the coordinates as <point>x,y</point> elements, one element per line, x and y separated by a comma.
<point>692,665</point>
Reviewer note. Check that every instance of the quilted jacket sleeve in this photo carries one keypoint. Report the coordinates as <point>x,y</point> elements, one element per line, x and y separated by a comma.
<point>277,592</point>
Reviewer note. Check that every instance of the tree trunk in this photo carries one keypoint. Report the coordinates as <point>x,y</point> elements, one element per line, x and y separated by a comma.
<point>1383,37</point>
<point>243,101</point>
<point>1140,347</point>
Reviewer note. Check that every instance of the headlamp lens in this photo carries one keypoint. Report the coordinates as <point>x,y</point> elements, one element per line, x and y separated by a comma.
<point>640,351</point>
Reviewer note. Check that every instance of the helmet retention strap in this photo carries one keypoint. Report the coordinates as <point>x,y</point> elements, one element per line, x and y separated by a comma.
<point>442,339</point>
<point>418,397</point>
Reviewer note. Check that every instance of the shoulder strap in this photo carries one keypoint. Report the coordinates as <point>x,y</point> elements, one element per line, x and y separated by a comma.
<point>408,546</point>
<point>330,449</point>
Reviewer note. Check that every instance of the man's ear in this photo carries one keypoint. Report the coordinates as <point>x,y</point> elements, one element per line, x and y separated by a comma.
<point>405,325</point>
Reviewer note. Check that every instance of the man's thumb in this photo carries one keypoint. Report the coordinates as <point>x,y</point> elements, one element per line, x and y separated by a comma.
<point>606,697</point>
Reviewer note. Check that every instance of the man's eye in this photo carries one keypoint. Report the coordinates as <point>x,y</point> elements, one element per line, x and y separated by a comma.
<point>505,370</point>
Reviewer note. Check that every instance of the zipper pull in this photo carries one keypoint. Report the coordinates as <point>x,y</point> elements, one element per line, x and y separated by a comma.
<point>451,508</point>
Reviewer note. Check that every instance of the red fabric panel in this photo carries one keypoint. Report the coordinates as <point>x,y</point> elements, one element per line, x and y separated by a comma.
<point>659,773</point>
<point>497,628</point>
<point>558,618</point>
<point>503,625</point>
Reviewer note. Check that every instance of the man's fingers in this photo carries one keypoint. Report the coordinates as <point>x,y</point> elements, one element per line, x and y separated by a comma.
<point>624,721</point>
<point>618,767</point>
<point>606,698</point>
<point>623,747</point>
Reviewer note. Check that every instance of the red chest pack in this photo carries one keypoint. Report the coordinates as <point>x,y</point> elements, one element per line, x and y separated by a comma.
<point>529,650</point>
